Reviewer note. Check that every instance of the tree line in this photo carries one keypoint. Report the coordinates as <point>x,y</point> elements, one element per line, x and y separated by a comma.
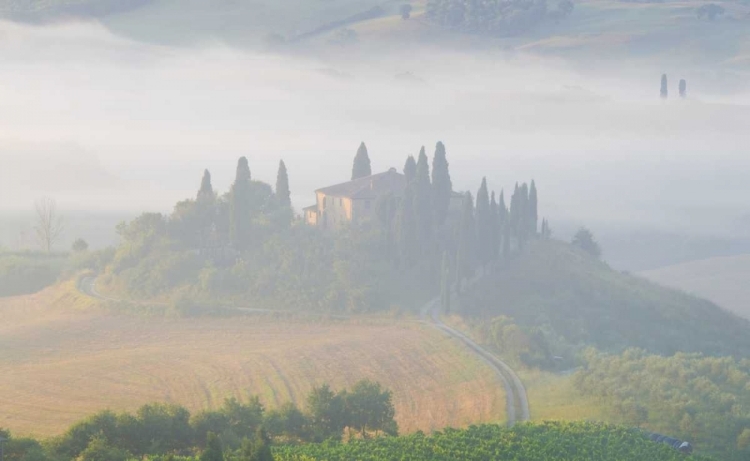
<point>238,431</point>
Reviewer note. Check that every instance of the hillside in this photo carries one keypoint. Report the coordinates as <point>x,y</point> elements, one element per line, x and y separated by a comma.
<point>63,358</point>
<point>596,28</point>
<point>574,299</point>
<point>721,280</point>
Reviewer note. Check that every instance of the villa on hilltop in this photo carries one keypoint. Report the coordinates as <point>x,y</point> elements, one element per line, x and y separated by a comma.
<point>354,201</point>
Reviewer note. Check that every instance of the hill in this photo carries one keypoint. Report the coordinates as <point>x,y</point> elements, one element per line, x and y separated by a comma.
<point>563,297</point>
<point>722,280</point>
<point>595,28</point>
<point>62,358</point>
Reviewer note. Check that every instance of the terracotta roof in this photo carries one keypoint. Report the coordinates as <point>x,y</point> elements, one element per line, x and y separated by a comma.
<point>373,186</point>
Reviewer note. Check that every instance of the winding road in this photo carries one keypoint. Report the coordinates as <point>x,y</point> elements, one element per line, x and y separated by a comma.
<point>517,403</point>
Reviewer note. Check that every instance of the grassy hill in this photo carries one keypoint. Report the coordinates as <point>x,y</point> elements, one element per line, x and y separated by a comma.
<point>722,280</point>
<point>63,358</point>
<point>596,28</point>
<point>578,300</point>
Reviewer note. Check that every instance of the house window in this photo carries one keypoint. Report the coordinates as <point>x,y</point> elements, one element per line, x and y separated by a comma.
<point>341,201</point>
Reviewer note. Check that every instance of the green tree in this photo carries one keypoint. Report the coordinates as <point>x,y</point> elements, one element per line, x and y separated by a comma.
<point>407,228</point>
<point>361,167</point>
<point>533,212</point>
<point>683,88</point>
<point>664,91</point>
<point>327,411</point>
<point>494,228</point>
<point>423,198</point>
<point>99,450</point>
<point>240,217</point>
<point>206,191</point>
<point>584,240</point>
<point>465,257</point>
<point>370,408</point>
<point>283,195</point>
<point>442,186</point>
<point>213,451</point>
<point>257,449</point>
<point>79,246</point>
<point>410,169</point>
<point>483,223</point>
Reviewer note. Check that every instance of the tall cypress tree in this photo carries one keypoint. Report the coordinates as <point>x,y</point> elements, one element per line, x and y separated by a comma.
<point>465,258</point>
<point>495,235</point>
<point>283,194</point>
<point>410,169</point>
<point>683,88</point>
<point>406,229</point>
<point>442,187</point>
<point>664,91</point>
<point>514,215</point>
<point>423,197</point>
<point>240,218</point>
<point>523,212</point>
<point>361,167</point>
<point>206,192</point>
<point>533,211</point>
<point>483,223</point>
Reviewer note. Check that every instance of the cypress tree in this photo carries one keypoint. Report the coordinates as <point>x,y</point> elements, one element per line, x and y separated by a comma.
<point>683,88</point>
<point>423,197</point>
<point>283,194</point>
<point>495,232</point>
<point>239,207</point>
<point>410,169</point>
<point>361,167</point>
<point>407,229</point>
<point>206,192</point>
<point>502,212</point>
<point>445,289</point>
<point>523,214</point>
<point>465,257</point>
<point>533,211</point>
<point>483,223</point>
<point>442,187</point>
<point>664,91</point>
<point>514,214</point>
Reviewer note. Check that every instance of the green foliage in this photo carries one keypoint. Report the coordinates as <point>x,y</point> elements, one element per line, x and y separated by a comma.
<point>361,166</point>
<point>240,207</point>
<point>529,442</point>
<point>213,451</point>
<point>283,195</point>
<point>24,273</point>
<point>410,169</point>
<point>494,17</point>
<point>257,449</point>
<point>79,246</point>
<point>369,408</point>
<point>701,399</point>
<point>576,299</point>
<point>442,186</point>
<point>584,240</point>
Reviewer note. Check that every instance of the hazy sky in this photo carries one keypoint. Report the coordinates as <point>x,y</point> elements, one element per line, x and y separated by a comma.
<point>100,122</point>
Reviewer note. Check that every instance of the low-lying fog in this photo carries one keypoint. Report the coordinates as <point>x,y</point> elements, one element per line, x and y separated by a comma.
<point>102,123</point>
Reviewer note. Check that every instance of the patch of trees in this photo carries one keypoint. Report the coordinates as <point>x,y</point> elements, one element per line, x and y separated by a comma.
<point>236,431</point>
<point>705,400</point>
<point>495,17</point>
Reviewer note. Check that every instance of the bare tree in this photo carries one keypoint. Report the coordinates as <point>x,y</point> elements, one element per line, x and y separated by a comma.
<point>49,225</point>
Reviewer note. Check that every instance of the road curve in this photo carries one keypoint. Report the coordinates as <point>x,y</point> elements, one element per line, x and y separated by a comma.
<point>517,402</point>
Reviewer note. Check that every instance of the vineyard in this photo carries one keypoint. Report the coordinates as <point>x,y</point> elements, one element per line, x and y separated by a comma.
<point>528,442</point>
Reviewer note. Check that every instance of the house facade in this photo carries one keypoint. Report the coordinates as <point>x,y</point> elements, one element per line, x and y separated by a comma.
<point>354,202</point>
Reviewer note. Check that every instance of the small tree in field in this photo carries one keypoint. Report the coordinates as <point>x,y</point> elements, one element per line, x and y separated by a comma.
<point>79,246</point>
<point>405,11</point>
<point>584,240</point>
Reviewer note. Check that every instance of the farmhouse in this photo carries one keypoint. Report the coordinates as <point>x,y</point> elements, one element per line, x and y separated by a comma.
<point>354,201</point>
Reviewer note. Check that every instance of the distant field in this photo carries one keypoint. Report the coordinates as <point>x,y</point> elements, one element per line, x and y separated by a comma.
<point>62,358</point>
<point>725,281</point>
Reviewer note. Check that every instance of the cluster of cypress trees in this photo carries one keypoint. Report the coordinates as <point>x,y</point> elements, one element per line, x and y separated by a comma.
<point>421,227</point>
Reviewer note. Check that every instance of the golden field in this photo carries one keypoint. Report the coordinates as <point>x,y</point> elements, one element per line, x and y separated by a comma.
<point>63,357</point>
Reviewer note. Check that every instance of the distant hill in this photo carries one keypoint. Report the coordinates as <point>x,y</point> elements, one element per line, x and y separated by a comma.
<point>725,281</point>
<point>581,300</point>
<point>603,29</point>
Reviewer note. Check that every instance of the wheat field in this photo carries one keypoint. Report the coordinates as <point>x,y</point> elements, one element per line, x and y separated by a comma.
<point>62,358</point>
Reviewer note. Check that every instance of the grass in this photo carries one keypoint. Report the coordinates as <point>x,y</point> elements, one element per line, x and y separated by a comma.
<point>62,358</point>
<point>721,280</point>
